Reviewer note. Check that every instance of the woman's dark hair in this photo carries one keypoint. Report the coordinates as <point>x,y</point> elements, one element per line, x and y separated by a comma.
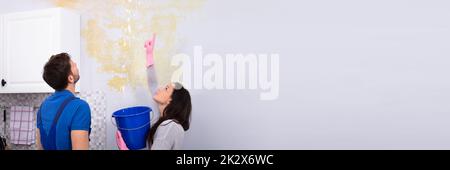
<point>179,109</point>
<point>56,71</point>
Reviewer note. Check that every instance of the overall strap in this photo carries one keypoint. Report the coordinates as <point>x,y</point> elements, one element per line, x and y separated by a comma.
<point>61,109</point>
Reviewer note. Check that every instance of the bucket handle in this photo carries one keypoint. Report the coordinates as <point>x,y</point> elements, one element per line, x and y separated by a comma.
<point>114,124</point>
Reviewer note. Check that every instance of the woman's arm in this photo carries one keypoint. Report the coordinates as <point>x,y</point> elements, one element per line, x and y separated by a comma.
<point>152,80</point>
<point>151,73</point>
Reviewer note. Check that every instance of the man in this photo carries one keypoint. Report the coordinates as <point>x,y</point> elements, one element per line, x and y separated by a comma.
<point>63,121</point>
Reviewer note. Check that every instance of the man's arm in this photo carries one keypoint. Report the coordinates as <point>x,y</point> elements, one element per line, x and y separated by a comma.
<point>80,127</point>
<point>38,140</point>
<point>80,139</point>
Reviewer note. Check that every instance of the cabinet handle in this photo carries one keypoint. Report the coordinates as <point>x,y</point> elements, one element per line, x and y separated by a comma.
<point>3,82</point>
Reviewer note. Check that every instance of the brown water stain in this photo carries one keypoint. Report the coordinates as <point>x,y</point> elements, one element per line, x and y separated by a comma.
<point>115,31</point>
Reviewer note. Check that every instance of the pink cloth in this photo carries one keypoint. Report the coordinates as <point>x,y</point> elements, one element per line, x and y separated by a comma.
<point>120,143</point>
<point>22,129</point>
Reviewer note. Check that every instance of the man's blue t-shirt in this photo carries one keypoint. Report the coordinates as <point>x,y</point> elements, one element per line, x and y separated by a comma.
<point>76,116</point>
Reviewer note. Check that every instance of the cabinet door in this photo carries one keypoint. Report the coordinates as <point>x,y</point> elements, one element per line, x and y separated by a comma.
<point>29,40</point>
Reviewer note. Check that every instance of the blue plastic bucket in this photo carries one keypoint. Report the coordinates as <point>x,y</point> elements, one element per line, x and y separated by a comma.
<point>134,124</point>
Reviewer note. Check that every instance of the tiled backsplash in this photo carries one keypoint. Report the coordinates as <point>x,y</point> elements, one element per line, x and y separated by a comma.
<point>97,103</point>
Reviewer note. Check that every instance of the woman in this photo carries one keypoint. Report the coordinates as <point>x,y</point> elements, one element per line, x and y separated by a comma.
<point>174,105</point>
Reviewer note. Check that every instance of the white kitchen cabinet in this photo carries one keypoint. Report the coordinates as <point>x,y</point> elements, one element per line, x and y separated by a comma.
<point>1,53</point>
<point>28,40</point>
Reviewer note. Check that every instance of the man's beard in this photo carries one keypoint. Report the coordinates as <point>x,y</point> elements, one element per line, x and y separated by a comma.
<point>77,77</point>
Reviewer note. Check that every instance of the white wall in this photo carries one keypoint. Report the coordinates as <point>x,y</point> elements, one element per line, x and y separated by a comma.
<point>353,74</point>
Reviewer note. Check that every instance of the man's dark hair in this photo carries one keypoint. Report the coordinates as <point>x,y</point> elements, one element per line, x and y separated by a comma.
<point>57,71</point>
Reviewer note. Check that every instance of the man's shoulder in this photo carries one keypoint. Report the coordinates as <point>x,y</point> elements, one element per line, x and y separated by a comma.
<point>81,103</point>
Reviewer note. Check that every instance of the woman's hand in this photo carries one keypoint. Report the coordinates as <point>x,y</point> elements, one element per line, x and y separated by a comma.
<point>149,50</point>
<point>120,143</point>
